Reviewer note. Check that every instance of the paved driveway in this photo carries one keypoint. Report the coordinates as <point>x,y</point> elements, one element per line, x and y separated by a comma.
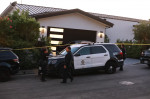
<point>132,83</point>
<point>130,61</point>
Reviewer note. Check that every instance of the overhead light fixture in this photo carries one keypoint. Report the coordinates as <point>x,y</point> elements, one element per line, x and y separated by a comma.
<point>42,30</point>
<point>101,34</point>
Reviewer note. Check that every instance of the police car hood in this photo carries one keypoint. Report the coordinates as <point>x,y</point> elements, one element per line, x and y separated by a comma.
<point>57,57</point>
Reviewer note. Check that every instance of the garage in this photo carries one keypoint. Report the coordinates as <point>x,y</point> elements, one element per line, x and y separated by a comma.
<point>66,35</point>
<point>76,34</point>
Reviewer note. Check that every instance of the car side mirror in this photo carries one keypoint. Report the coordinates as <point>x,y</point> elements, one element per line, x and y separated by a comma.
<point>77,54</point>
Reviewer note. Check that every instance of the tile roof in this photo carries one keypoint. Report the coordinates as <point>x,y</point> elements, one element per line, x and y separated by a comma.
<point>117,17</point>
<point>41,9</point>
<point>37,9</point>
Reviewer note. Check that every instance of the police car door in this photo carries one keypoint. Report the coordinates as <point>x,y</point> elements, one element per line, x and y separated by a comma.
<point>99,56</point>
<point>82,58</point>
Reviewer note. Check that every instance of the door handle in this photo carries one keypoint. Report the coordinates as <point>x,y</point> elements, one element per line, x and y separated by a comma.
<point>106,55</point>
<point>88,57</point>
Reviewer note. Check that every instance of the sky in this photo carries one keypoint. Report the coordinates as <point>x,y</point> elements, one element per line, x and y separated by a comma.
<point>139,9</point>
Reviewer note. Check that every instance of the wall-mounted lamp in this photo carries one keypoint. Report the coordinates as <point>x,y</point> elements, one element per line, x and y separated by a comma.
<point>42,30</point>
<point>101,34</point>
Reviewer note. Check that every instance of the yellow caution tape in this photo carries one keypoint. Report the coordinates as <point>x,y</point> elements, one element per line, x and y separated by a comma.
<point>66,45</point>
<point>35,47</point>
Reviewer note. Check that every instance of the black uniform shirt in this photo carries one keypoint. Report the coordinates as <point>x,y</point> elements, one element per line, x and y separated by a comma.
<point>68,59</point>
<point>124,53</point>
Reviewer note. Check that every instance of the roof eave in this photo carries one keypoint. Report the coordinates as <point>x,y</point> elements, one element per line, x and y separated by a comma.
<point>8,9</point>
<point>44,15</point>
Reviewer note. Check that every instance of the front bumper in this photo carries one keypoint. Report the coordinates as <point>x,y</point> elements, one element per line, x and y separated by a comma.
<point>145,60</point>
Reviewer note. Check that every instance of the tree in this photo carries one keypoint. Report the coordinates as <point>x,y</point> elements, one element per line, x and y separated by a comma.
<point>18,30</point>
<point>142,32</point>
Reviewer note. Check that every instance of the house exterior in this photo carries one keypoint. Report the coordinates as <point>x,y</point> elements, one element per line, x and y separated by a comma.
<point>76,25</point>
<point>122,28</point>
<point>64,25</point>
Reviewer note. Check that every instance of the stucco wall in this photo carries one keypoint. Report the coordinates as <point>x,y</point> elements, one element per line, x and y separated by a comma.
<point>122,30</point>
<point>74,21</point>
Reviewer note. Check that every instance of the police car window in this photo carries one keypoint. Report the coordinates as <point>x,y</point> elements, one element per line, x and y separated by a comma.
<point>98,49</point>
<point>85,51</point>
<point>73,50</point>
<point>112,48</point>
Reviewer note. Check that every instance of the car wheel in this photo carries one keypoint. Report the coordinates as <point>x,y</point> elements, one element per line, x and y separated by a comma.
<point>4,74</point>
<point>148,65</point>
<point>110,68</point>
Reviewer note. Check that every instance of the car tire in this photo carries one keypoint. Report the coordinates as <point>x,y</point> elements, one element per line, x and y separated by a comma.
<point>148,65</point>
<point>4,74</point>
<point>110,68</point>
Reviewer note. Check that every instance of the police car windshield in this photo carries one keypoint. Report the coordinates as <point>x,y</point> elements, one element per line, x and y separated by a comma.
<point>73,50</point>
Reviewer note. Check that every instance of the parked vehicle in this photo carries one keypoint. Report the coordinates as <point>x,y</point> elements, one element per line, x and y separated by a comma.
<point>95,56</point>
<point>60,48</point>
<point>9,64</point>
<point>145,57</point>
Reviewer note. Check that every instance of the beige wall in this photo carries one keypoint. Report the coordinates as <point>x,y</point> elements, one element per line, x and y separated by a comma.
<point>122,30</point>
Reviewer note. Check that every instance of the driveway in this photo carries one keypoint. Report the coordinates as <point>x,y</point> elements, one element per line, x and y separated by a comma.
<point>132,83</point>
<point>130,61</point>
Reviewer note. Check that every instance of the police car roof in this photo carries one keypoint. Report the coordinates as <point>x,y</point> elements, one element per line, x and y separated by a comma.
<point>79,45</point>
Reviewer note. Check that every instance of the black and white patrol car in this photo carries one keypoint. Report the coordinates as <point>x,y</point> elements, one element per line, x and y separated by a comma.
<point>95,56</point>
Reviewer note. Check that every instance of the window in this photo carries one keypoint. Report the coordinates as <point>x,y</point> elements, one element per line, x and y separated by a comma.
<point>56,30</point>
<point>73,50</point>
<point>112,48</point>
<point>56,36</point>
<point>53,48</point>
<point>85,51</point>
<point>98,49</point>
<point>56,42</point>
<point>6,54</point>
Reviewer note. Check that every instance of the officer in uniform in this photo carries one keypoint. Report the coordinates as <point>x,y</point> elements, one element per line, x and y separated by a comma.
<point>68,66</point>
<point>43,63</point>
<point>124,55</point>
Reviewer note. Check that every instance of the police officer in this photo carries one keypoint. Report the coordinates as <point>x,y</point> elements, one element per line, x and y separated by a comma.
<point>68,66</point>
<point>124,55</point>
<point>43,63</point>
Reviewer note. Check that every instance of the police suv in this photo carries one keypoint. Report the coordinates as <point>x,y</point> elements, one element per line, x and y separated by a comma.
<point>94,56</point>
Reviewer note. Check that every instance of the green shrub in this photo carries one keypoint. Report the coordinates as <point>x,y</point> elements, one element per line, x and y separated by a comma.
<point>28,58</point>
<point>133,51</point>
